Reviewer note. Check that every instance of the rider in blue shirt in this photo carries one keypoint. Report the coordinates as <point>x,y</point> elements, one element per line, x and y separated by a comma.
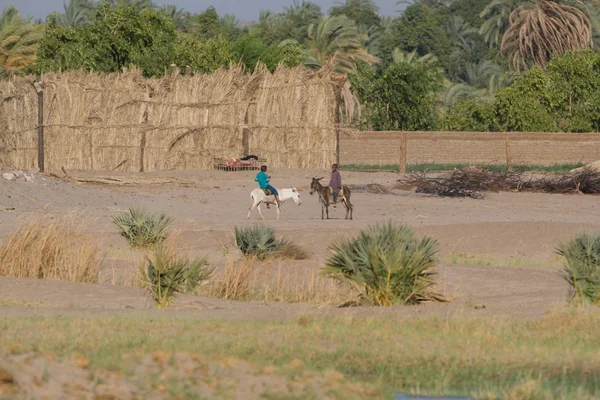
<point>263,181</point>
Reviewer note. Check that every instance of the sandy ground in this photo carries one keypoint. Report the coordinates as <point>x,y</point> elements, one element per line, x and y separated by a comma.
<point>510,228</point>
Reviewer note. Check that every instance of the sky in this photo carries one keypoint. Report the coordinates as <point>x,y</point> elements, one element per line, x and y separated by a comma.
<point>245,10</point>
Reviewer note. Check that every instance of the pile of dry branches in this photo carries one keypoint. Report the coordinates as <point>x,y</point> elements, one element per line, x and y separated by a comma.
<point>474,182</point>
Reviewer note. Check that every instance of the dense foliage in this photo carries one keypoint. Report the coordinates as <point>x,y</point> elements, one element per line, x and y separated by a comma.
<point>483,65</point>
<point>563,97</point>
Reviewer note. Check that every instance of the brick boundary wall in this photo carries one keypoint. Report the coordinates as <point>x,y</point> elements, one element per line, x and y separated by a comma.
<point>514,148</point>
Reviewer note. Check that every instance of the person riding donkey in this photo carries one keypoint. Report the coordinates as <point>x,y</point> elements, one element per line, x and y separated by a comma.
<point>263,182</point>
<point>335,183</point>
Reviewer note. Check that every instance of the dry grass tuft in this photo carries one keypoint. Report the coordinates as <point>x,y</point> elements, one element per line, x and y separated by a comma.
<point>233,283</point>
<point>58,250</point>
<point>251,280</point>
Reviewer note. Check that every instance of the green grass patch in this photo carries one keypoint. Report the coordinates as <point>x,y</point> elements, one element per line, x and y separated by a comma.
<point>483,358</point>
<point>433,167</point>
<point>471,259</point>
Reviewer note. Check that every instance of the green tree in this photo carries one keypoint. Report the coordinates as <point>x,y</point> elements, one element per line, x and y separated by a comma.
<point>573,91</point>
<point>203,56</point>
<point>178,15</point>
<point>468,47</point>
<point>523,106</point>
<point>206,24</point>
<point>336,39</point>
<point>250,50</point>
<point>495,16</point>
<point>401,97</point>
<point>301,16</point>
<point>421,29</point>
<point>286,54</point>
<point>76,12</point>
<point>274,28</point>
<point>402,57</point>
<point>19,40</point>
<point>132,3</point>
<point>362,12</point>
<point>469,11</point>
<point>563,97</point>
<point>471,116</point>
<point>481,82</point>
<point>231,27</point>
<point>247,50</point>
<point>116,38</point>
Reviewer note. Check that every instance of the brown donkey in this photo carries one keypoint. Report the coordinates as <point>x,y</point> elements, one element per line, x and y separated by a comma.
<point>325,199</point>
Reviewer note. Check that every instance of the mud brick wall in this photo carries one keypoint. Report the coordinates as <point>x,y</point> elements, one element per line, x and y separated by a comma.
<point>517,148</point>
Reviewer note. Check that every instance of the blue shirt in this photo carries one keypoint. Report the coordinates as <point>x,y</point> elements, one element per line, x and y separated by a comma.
<point>262,179</point>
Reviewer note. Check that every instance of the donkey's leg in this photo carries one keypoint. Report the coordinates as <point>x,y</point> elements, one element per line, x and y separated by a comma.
<point>347,207</point>
<point>277,205</point>
<point>327,210</point>
<point>251,208</point>
<point>322,211</point>
<point>260,212</point>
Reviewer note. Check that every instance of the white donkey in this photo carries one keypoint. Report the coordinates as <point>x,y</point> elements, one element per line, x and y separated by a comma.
<point>258,196</point>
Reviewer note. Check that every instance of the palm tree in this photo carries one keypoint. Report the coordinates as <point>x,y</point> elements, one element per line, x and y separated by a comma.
<point>230,22</point>
<point>370,36</point>
<point>495,16</point>
<point>76,13</point>
<point>336,39</point>
<point>541,29</point>
<point>178,15</point>
<point>18,40</point>
<point>302,15</point>
<point>402,57</point>
<point>133,3</point>
<point>482,82</point>
<point>362,12</point>
<point>465,47</point>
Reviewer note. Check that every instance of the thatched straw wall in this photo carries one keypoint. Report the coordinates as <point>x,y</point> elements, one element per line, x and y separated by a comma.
<point>129,123</point>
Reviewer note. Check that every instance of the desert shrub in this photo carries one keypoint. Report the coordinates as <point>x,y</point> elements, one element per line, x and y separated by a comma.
<point>386,265</point>
<point>141,228</point>
<point>58,250</point>
<point>261,242</point>
<point>582,267</point>
<point>165,275</point>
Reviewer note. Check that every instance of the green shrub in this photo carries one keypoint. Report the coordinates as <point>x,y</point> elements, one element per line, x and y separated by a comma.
<point>261,242</point>
<point>386,265</point>
<point>141,228</point>
<point>166,275</point>
<point>582,267</point>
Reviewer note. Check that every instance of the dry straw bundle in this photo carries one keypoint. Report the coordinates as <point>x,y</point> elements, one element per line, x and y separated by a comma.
<point>129,123</point>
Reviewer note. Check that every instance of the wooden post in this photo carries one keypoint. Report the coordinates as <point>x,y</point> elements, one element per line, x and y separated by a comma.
<point>508,153</point>
<point>337,144</point>
<point>403,152</point>
<point>40,94</point>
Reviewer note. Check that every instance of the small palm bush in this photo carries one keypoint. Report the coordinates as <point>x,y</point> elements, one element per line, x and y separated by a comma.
<point>386,265</point>
<point>582,267</point>
<point>260,241</point>
<point>141,228</point>
<point>165,275</point>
